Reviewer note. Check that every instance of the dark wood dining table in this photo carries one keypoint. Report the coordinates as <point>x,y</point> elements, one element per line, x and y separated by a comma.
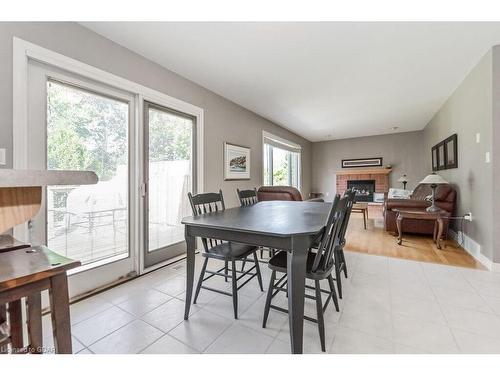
<point>283,225</point>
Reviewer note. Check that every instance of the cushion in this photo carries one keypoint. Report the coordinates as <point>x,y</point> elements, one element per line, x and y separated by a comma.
<point>399,193</point>
<point>232,250</point>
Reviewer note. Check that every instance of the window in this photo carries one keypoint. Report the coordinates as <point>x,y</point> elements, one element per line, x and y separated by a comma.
<point>281,161</point>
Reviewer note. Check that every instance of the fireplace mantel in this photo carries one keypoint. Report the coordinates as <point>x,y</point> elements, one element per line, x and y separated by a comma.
<point>356,171</point>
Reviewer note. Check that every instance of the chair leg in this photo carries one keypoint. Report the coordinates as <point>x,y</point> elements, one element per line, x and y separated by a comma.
<point>338,273</point>
<point>200,280</point>
<point>344,263</point>
<point>257,271</point>
<point>261,253</point>
<point>235,289</point>
<point>243,264</point>
<point>319,312</point>
<point>334,293</point>
<point>268,299</point>
<point>225,270</point>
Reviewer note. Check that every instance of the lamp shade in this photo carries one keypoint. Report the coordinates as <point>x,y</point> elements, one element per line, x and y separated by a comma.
<point>433,179</point>
<point>403,178</point>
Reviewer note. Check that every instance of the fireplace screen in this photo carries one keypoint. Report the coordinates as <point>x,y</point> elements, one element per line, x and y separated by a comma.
<point>364,189</point>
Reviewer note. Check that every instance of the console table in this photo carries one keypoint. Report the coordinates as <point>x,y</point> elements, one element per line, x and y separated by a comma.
<point>437,217</point>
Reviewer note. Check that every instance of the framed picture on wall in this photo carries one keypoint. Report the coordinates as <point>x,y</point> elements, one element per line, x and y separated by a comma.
<point>451,152</point>
<point>236,162</point>
<point>434,159</point>
<point>441,156</point>
<point>358,163</point>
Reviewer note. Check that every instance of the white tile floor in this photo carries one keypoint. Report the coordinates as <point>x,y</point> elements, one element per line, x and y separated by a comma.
<point>389,306</point>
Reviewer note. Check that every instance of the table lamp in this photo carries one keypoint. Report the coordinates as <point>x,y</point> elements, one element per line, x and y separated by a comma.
<point>404,180</point>
<point>433,180</point>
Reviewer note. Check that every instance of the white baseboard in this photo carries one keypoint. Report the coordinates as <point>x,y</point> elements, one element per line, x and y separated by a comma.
<point>474,249</point>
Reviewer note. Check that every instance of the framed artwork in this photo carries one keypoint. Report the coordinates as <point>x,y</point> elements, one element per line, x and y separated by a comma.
<point>451,152</point>
<point>445,154</point>
<point>441,156</point>
<point>236,162</point>
<point>356,163</point>
<point>434,159</point>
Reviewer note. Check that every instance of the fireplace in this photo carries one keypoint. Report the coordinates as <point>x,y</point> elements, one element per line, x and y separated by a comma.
<point>364,189</point>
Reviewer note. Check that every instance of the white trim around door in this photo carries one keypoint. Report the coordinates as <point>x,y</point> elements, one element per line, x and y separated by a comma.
<point>24,51</point>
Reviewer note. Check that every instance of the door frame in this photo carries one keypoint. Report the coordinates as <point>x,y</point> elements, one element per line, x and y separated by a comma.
<point>23,52</point>
<point>179,245</point>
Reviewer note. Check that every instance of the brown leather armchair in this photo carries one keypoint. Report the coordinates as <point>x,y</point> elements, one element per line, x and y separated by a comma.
<point>445,199</point>
<point>281,193</point>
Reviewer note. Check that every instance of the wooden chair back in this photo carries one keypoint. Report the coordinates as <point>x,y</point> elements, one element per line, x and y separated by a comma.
<point>205,203</point>
<point>331,237</point>
<point>247,197</point>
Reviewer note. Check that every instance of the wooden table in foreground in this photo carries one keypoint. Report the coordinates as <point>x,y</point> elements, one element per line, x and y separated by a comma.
<point>26,273</point>
<point>437,217</point>
<point>284,225</point>
<point>362,208</point>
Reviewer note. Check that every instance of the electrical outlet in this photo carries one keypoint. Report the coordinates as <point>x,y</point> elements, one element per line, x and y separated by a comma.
<point>468,216</point>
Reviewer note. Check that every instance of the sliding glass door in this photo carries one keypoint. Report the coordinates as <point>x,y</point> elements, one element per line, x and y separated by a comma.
<point>143,147</point>
<point>169,171</point>
<point>87,131</point>
<point>78,124</point>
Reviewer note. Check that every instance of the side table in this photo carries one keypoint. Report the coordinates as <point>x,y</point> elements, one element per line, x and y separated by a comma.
<point>437,217</point>
<point>25,273</point>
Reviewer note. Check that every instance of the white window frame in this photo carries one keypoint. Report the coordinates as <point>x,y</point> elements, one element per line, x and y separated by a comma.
<point>287,143</point>
<point>24,51</point>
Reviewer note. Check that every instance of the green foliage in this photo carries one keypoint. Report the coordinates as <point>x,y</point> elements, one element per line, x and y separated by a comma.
<point>169,136</point>
<point>86,131</point>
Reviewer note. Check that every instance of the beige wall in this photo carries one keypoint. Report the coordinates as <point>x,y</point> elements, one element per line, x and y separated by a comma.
<point>403,151</point>
<point>224,120</point>
<point>467,112</point>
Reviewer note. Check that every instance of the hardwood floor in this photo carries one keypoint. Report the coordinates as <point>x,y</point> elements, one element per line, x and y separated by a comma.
<point>375,240</point>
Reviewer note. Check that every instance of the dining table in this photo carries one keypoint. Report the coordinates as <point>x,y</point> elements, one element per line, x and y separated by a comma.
<point>291,226</point>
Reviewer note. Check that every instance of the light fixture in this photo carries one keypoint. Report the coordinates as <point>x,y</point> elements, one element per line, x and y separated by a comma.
<point>433,180</point>
<point>403,180</point>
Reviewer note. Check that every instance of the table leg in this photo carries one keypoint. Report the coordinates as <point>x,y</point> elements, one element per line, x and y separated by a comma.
<point>296,271</point>
<point>16,326</point>
<point>440,232</point>
<point>3,329</point>
<point>191,248</point>
<point>59,310</point>
<point>34,302</point>
<point>399,222</point>
<point>364,218</point>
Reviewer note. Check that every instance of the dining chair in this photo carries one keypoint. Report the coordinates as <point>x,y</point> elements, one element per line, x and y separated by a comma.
<point>228,252</point>
<point>319,266</point>
<point>339,258</point>
<point>249,198</point>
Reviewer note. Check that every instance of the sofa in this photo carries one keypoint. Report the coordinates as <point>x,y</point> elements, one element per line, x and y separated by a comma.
<point>445,199</point>
<point>281,193</point>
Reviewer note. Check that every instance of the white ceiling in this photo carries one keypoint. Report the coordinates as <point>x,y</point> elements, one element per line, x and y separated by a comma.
<point>320,80</point>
